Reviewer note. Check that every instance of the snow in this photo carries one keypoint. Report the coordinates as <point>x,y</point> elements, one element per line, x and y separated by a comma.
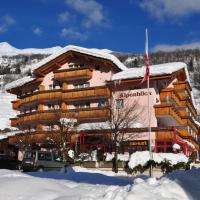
<point>161,69</point>
<point>7,50</point>
<point>92,52</point>
<point>18,82</point>
<point>176,146</point>
<point>121,157</point>
<point>142,157</point>
<point>6,110</point>
<point>8,134</point>
<point>83,184</point>
<point>190,144</point>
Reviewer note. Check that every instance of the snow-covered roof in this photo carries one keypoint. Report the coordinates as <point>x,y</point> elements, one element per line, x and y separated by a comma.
<point>161,69</point>
<point>92,52</point>
<point>155,70</point>
<point>8,134</point>
<point>19,82</point>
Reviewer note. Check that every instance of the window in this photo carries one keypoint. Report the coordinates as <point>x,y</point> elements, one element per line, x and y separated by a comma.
<point>41,156</point>
<point>74,66</point>
<point>51,87</point>
<point>83,105</point>
<point>82,85</point>
<point>50,106</point>
<point>102,103</point>
<point>119,103</point>
<point>48,157</point>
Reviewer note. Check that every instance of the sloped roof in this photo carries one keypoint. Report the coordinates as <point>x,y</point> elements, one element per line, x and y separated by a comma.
<point>161,69</point>
<point>18,82</point>
<point>92,52</point>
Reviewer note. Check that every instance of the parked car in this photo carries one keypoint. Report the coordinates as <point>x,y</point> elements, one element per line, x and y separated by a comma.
<point>41,160</point>
<point>7,162</point>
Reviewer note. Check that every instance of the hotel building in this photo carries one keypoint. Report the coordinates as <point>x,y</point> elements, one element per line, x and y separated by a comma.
<point>82,83</point>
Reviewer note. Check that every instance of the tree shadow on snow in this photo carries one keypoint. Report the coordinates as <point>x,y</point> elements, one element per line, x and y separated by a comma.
<point>85,177</point>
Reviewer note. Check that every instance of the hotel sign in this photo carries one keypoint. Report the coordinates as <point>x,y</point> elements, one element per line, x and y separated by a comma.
<point>134,94</point>
<point>137,143</point>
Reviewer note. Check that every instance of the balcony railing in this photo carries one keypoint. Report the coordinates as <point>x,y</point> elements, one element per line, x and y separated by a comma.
<point>166,109</point>
<point>182,85</point>
<point>53,116</point>
<point>48,95</point>
<point>168,135</point>
<point>169,94</point>
<point>86,93</point>
<point>14,122</point>
<point>73,74</point>
<point>54,95</point>
<point>88,113</point>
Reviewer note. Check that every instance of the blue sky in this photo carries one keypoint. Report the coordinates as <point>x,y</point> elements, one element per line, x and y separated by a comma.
<point>118,25</point>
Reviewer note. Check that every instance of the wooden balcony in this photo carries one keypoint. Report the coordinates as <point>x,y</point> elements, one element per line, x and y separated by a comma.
<point>48,95</point>
<point>15,104</point>
<point>73,74</point>
<point>184,133</point>
<point>168,135</point>
<point>182,113</point>
<point>14,122</point>
<point>88,113</point>
<point>86,93</point>
<point>166,110</point>
<point>170,95</point>
<point>53,116</point>
<point>182,86</point>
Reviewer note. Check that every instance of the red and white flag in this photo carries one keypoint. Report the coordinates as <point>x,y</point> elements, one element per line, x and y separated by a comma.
<point>146,59</point>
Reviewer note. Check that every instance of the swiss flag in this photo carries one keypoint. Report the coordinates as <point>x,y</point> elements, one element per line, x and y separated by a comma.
<point>146,59</point>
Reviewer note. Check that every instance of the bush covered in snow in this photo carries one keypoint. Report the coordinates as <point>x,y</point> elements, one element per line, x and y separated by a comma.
<point>140,161</point>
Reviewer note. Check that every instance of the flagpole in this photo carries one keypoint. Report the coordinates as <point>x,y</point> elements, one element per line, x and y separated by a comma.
<point>149,113</point>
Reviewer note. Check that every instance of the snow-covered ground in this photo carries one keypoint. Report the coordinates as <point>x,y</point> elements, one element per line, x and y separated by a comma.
<point>6,110</point>
<point>83,184</point>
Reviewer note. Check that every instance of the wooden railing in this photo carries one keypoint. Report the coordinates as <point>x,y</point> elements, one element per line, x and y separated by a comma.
<point>165,109</point>
<point>70,74</point>
<point>168,135</point>
<point>182,85</point>
<point>54,115</point>
<point>171,95</point>
<point>14,122</point>
<point>182,113</point>
<point>74,94</point>
<point>165,135</point>
<point>39,96</point>
<point>94,93</point>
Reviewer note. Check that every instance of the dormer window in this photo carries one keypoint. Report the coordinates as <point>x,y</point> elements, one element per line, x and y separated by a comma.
<point>75,66</point>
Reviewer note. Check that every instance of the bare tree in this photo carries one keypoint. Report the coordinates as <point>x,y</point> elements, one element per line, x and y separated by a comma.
<point>124,114</point>
<point>63,127</point>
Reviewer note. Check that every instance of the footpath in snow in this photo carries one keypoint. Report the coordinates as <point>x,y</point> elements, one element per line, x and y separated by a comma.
<point>80,183</point>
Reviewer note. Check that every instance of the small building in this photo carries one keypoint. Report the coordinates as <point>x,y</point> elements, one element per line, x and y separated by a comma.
<point>94,87</point>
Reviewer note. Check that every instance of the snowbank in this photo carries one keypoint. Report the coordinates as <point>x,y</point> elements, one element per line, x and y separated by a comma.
<point>142,157</point>
<point>73,185</point>
<point>121,157</point>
